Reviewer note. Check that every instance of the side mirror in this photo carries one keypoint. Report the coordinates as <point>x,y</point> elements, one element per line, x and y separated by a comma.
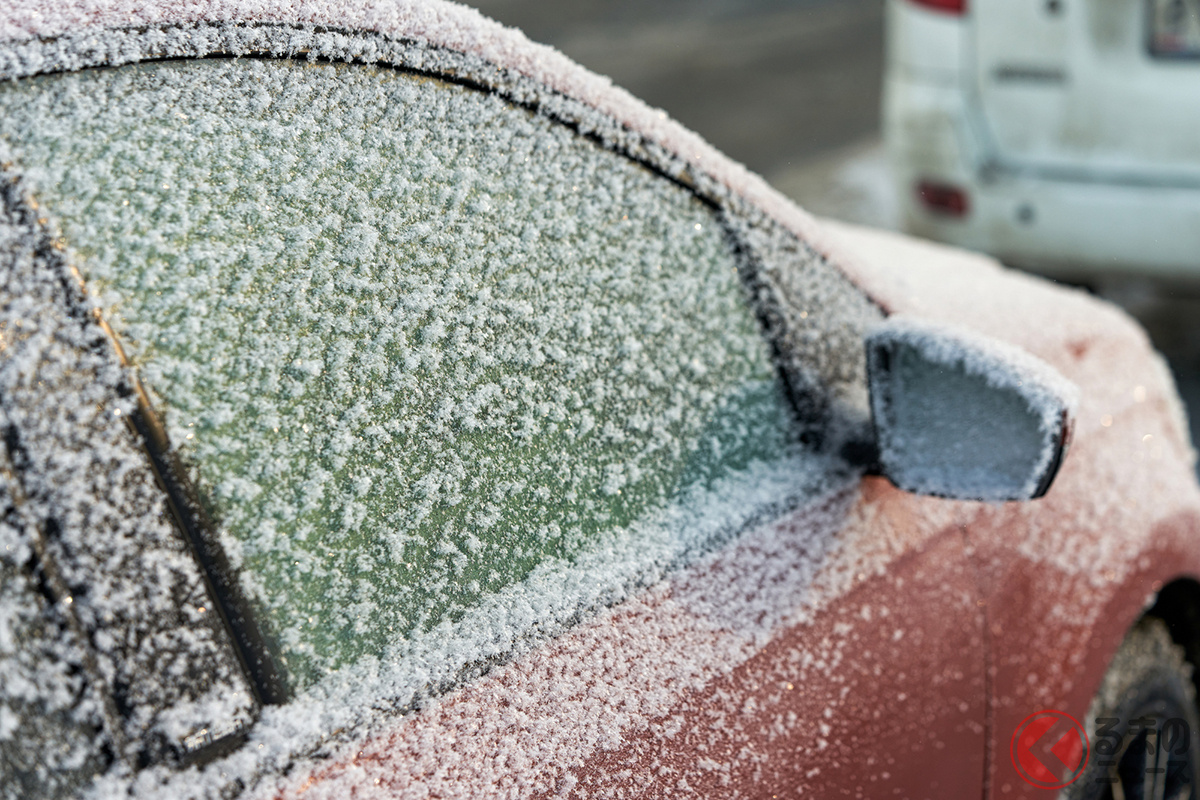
<point>962,416</point>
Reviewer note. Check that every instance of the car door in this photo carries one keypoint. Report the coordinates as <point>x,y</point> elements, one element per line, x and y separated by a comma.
<point>454,401</point>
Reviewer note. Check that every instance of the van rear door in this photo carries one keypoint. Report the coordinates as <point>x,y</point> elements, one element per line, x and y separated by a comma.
<point>1091,89</point>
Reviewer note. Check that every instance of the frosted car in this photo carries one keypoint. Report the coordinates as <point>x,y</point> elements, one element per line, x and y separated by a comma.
<point>392,408</point>
<point>1057,135</point>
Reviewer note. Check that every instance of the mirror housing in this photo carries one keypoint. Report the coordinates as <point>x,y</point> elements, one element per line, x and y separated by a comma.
<point>962,416</point>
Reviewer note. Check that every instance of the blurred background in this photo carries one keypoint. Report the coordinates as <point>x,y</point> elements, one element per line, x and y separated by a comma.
<point>791,88</point>
<point>794,90</point>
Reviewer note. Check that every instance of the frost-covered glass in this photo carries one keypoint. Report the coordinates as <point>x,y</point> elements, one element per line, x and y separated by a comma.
<point>415,345</point>
<point>50,728</point>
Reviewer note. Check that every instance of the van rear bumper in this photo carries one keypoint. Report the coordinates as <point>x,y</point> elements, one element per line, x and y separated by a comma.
<point>1074,226</point>
<point>1070,229</point>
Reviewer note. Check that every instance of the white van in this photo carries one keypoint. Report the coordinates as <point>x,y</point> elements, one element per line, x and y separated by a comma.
<point>1059,135</point>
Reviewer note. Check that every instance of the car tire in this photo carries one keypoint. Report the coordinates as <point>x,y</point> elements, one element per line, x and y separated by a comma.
<point>1143,725</point>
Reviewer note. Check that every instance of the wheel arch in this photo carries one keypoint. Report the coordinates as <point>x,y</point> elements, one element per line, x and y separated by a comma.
<point>1178,605</point>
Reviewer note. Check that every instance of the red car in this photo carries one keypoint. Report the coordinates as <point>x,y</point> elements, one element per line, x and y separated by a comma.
<point>393,408</point>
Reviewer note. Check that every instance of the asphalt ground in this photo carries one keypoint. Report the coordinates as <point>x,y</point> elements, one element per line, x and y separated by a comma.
<point>771,83</point>
<point>791,88</point>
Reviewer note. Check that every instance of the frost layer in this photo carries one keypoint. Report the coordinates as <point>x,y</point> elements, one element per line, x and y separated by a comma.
<point>412,341</point>
<point>814,317</point>
<point>49,722</point>
<point>89,525</point>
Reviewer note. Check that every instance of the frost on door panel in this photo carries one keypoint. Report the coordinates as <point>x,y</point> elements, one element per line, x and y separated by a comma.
<point>444,373</point>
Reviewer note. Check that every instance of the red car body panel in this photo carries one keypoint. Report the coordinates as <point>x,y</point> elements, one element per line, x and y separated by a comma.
<point>1062,578</point>
<point>864,696</point>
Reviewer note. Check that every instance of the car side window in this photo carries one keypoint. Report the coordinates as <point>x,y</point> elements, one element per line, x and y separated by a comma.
<point>442,371</point>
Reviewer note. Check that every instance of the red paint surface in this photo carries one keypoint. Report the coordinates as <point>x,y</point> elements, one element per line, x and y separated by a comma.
<point>947,6</point>
<point>893,707</point>
<point>944,199</point>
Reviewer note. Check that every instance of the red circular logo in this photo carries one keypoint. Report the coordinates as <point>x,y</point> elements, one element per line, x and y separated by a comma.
<point>1047,742</point>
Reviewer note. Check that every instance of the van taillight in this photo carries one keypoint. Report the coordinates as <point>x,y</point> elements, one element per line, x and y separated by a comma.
<point>943,199</point>
<point>946,6</point>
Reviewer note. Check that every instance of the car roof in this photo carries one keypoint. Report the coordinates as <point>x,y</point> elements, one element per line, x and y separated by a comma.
<point>435,23</point>
<point>894,271</point>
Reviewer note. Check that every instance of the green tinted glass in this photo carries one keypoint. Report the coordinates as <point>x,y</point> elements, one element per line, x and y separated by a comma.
<point>411,341</point>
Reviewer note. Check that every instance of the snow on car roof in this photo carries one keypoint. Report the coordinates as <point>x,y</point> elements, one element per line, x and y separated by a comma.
<point>443,24</point>
<point>901,280</point>
<point>456,27</point>
<point>459,28</point>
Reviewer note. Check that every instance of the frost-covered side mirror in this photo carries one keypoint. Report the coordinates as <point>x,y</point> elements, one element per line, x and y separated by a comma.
<point>962,416</point>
